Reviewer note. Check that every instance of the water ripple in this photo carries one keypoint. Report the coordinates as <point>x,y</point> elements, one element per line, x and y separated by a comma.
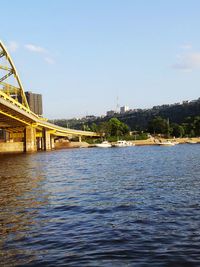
<point>137,206</point>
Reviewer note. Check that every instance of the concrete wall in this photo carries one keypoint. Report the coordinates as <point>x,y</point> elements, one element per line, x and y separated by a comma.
<point>30,139</point>
<point>59,145</point>
<point>11,147</point>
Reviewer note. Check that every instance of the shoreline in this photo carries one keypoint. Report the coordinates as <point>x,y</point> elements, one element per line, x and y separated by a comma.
<point>148,142</point>
<point>152,141</point>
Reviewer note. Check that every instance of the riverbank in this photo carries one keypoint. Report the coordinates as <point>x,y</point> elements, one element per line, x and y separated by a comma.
<point>148,142</point>
<point>153,141</point>
<point>67,144</point>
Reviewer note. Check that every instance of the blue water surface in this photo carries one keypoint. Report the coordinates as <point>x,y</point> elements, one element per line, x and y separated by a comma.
<point>133,206</point>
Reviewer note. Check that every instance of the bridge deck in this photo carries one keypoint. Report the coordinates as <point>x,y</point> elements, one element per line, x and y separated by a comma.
<point>13,115</point>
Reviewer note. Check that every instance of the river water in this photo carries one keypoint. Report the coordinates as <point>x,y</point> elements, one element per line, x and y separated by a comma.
<point>134,206</point>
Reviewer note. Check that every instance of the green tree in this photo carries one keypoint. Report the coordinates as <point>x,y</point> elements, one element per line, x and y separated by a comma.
<point>113,127</point>
<point>197,125</point>
<point>159,126</point>
<point>104,129</point>
<point>189,126</point>
<point>117,128</point>
<point>177,130</point>
<point>94,127</point>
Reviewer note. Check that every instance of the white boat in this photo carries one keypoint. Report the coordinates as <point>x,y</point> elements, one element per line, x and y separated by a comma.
<point>104,144</point>
<point>130,143</point>
<point>123,143</point>
<point>191,142</point>
<point>166,143</point>
<point>176,142</point>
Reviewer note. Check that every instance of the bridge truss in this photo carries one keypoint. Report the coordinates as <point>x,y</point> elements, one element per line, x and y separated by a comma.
<point>10,83</point>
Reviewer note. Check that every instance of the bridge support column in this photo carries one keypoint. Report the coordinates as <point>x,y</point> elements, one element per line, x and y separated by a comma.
<point>80,138</point>
<point>30,139</point>
<point>6,135</point>
<point>52,142</point>
<point>39,143</point>
<point>46,140</point>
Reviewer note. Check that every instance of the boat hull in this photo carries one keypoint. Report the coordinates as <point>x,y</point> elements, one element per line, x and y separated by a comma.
<point>123,144</point>
<point>166,144</point>
<point>103,145</point>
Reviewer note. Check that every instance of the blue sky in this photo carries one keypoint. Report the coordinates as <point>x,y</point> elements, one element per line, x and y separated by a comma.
<point>83,54</point>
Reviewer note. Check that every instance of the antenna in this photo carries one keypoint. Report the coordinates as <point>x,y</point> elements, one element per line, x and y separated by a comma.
<point>117,106</point>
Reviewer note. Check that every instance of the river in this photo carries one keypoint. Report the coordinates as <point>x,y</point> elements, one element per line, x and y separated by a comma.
<point>134,206</point>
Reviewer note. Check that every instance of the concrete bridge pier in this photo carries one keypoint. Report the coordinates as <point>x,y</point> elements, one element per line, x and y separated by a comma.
<point>33,143</point>
<point>30,139</point>
<point>6,136</point>
<point>46,145</point>
<point>39,143</point>
<point>52,142</point>
<point>47,140</point>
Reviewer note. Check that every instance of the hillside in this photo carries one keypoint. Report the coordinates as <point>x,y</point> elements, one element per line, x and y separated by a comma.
<point>139,119</point>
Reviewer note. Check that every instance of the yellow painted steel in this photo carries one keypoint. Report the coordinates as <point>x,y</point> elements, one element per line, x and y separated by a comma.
<point>13,71</point>
<point>16,103</point>
<point>22,110</point>
<point>16,135</point>
<point>14,117</point>
<point>5,68</point>
<point>9,89</point>
<point>38,134</point>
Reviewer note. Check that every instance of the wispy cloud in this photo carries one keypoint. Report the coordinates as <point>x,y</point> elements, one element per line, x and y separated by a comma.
<point>49,60</point>
<point>13,46</point>
<point>187,60</point>
<point>35,48</point>
<point>186,46</point>
<point>40,50</point>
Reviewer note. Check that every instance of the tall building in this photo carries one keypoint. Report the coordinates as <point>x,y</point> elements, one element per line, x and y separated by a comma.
<point>124,109</point>
<point>35,102</point>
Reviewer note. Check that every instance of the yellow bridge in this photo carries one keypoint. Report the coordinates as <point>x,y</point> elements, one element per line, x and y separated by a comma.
<point>23,129</point>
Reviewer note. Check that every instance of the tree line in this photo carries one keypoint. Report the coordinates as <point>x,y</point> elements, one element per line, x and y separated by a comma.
<point>189,128</point>
<point>177,120</point>
<point>114,129</point>
<point>158,125</point>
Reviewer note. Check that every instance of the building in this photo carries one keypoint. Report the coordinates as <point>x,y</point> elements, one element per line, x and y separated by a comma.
<point>124,109</point>
<point>90,117</point>
<point>35,102</point>
<point>110,113</point>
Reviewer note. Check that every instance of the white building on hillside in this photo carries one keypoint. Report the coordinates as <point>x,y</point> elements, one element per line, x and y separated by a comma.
<point>124,109</point>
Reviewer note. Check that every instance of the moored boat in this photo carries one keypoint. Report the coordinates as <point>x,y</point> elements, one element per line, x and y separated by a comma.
<point>166,143</point>
<point>191,142</point>
<point>130,143</point>
<point>104,144</point>
<point>123,143</point>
